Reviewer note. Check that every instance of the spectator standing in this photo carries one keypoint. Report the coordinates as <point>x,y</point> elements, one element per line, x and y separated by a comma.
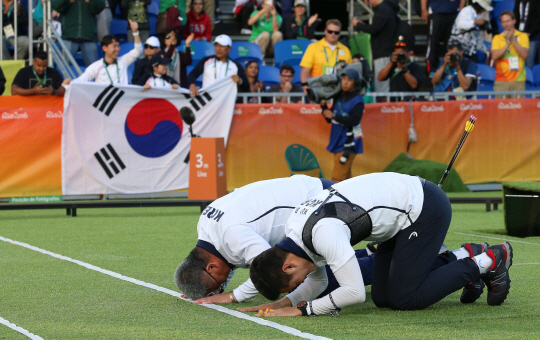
<point>79,27</point>
<point>143,66</point>
<point>457,73</point>
<point>466,28</point>
<point>404,75</point>
<point>177,68</point>
<point>265,24</point>
<point>345,116</point>
<point>383,36</point>
<point>180,5</point>
<point>198,22</point>
<point>158,77</point>
<point>110,69</point>
<point>286,74</point>
<point>527,13</point>
<point>440,14</point>
<point>218,66</point>
<point>137,10</point>
<point>104,20</point>
<point>242,12</point>
<point>509,51</point>
<point>321,56</point>
<point>8,29</point>
<point>38,79</point>
<point>298,26</point>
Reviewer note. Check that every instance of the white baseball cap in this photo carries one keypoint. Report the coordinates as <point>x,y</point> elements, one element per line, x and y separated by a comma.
<point>153,41</point>
<point>300,3</point>
<point>485,4</point>
<point>223,40</point>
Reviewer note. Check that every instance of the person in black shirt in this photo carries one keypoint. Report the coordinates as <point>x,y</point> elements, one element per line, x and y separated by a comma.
<point>38,79</point>
<point>404,75</point>
<point>152,46</point>
<point>298,26</point>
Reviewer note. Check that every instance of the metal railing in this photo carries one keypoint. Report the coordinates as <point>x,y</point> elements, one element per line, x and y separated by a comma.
<point>403,96</point>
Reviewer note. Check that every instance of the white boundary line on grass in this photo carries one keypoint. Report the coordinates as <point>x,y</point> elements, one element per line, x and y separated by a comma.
<point>497,238</point>
<point>260,321</point>
<point>19,329</point>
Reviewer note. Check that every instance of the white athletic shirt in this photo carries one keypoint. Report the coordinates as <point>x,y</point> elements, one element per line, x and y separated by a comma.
<point>393,201</point>
<point>117,71</point>
<point>215,69</point>
<point>225,223</point>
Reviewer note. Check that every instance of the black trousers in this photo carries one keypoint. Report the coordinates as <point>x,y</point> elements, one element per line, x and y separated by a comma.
<point>408,274</point>
<point>439,33</point>
<point>244,14</point>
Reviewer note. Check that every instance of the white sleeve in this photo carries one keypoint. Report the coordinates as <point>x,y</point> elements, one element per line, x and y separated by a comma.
<point>465,21</point>
<point>132,56</point>
<point>350,292</point>
<point>315,283</point>
<point>89,74</point>
<point>245,291</point>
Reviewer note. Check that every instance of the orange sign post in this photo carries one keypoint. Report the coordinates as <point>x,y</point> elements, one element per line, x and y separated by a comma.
<point>207,177</point>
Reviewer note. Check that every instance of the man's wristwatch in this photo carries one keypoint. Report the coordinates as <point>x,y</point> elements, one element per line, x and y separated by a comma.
<point>404,70</point>
<point>306,308</point>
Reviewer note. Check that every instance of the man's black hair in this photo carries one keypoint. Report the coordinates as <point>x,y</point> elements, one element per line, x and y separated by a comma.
<point>108,39</point>
<point>286,68</point>
<point>455,44</point>
<point>266,272</point>
<point>41,55</point>
<point>357,56</point>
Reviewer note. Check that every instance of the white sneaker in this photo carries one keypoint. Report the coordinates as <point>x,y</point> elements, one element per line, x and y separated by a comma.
<point>245,31</point>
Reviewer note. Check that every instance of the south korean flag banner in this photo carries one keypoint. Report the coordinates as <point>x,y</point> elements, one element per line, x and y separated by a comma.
<point>123,139</point>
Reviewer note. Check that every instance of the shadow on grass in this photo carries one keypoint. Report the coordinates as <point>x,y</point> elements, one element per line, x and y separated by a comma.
<point>492,231</point>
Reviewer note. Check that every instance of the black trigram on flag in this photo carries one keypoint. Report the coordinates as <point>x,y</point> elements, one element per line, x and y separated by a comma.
<point>107,158</point>
<point>198,102</point>
<point>112,95</point>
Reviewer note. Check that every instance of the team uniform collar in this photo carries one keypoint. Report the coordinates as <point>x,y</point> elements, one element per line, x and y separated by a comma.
<point>211,249</point>
<point>289,245</point>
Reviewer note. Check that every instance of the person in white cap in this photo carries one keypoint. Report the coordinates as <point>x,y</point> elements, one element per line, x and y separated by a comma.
<point>152,47</point>
<point>110,69</point>
<point>297,26</point>
<point>466,29</point>
<point>218,66</point>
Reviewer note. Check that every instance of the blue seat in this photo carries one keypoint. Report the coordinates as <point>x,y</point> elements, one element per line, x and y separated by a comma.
<point>269,75</point>
<point>100,53</point>
<point>125,48</point>
<point>152,20</point>
<point>529,81</point>
<point>486,79</point>
<point>536,76</point>
<point>243,51</point>
<point>297,72</point>
<point>481,57</point>
<point>153,8</point>
<point>498,8</point>
<point>198,82</point>
<point>290,52</point>
<point>119,29</point>
<point>199,50</point>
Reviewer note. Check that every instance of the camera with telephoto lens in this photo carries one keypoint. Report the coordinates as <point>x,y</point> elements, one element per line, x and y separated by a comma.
<point>402,58</point>
<point>329,85</point>
<point>454,58</point>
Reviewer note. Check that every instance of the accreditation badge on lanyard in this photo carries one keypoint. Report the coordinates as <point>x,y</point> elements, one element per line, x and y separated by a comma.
<point>327,69</point>
<point>513,62</point>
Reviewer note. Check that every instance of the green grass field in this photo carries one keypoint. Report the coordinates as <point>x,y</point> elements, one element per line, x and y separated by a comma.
<point>56,299</point>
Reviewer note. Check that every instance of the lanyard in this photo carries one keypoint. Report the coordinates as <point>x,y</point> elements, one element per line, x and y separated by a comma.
<point>117,71</point>
<point>172,65</point>
<point>326,55</point>
<point>304,27</point>
<point>340,109</point>
<point>215,68</point>
<point>399,70</point>
<point>37,77</point>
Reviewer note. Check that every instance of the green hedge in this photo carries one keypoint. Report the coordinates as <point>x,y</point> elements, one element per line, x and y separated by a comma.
<point>430,170</point>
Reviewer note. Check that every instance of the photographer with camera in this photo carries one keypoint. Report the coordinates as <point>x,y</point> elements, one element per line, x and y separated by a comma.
<point>456,74</point>
<point>404,75</point>
<point>345,116</point>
